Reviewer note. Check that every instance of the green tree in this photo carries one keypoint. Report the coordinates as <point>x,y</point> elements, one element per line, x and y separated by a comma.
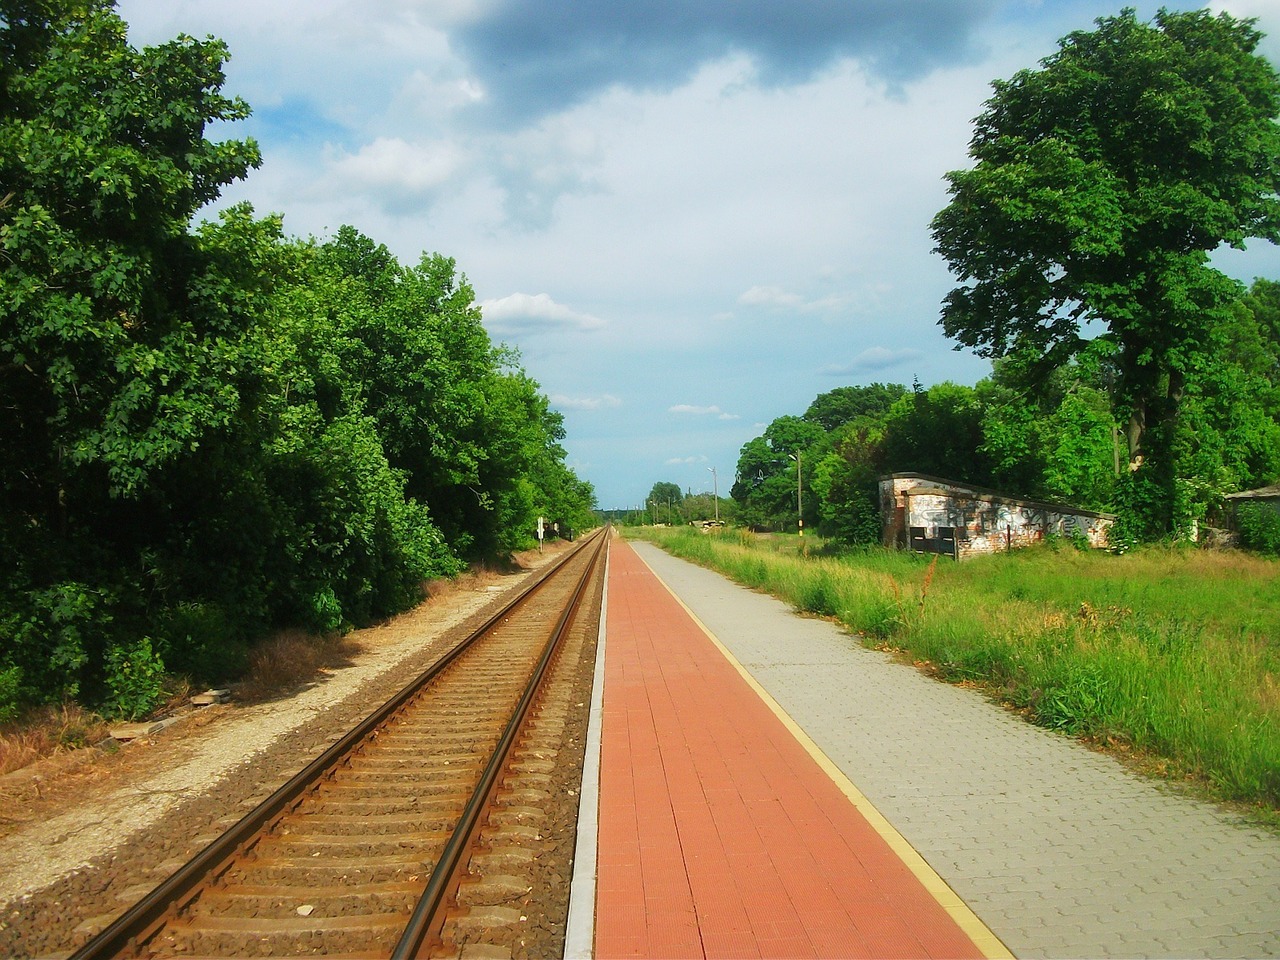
<point>1102,182</point>
<point>766,488</point>
<point>212,432</point>
<point>846,483</point>
<point>835,408</point>
<point>665,499</point>
<point>119,361</point>
<point>938,431</point>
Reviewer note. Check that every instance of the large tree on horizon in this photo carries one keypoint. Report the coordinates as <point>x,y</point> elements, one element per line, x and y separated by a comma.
<point>1101,184</point>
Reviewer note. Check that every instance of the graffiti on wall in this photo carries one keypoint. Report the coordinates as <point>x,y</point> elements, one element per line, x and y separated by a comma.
<point>940,516</point>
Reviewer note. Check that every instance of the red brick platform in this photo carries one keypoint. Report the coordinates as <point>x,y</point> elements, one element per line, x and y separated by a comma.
<point>720,833</point>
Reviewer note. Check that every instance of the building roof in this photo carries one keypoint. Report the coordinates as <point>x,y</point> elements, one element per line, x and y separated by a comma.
<point>952,488</point>
<point>1261,493</point>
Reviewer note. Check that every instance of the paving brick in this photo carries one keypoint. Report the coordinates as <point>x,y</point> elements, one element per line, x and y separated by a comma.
<point>745,844</point>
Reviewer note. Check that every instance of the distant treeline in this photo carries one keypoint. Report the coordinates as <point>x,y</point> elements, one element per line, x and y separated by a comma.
<point>210,433</point>
<point>1049,435</point>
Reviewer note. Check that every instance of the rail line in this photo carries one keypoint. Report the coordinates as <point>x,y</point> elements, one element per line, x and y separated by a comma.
<point>362,851</point>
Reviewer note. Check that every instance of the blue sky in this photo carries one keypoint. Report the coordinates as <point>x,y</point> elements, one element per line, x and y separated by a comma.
<point>689,216</point>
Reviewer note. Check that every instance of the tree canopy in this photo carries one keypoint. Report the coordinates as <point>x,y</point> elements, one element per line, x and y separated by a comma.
<point>217,431</point>
<point>1102,182</point>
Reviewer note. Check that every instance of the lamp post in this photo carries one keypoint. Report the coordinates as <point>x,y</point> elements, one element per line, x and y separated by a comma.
<point>799,491</point>
<point>715,487</point>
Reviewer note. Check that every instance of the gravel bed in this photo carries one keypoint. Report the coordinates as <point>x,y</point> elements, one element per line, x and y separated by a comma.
<point>94,834</point>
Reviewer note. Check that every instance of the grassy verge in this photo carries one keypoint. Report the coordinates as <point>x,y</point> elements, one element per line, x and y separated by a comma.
<point>1170,655</point>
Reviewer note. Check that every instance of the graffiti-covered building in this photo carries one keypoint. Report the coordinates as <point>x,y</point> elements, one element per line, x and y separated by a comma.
<point>940,516</point>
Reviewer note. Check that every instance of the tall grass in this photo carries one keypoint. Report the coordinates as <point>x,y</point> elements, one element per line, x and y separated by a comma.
<point>1172,653</point>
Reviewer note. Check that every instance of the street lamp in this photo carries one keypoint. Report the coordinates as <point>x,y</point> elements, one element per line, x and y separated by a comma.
<point>715,487</point>
<point>799,491</point>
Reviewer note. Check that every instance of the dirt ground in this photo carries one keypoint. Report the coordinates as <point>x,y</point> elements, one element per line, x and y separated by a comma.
<point>84,834</point>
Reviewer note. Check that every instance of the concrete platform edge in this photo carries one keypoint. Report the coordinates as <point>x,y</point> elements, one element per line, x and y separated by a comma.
<point>986,941</point>
<point>579,938</point>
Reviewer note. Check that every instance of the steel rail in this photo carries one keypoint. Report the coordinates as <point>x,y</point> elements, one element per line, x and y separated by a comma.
<point>425,924</point>
<point>144,918</point>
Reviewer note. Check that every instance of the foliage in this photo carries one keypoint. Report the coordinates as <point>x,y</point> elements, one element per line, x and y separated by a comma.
<point>10,693</point>
<point>1259,526</point>
<point>846,484</point>
<point>938,431</point>
<point>1102,182</point>
<point>665,494</point>
<point>216,432</point>
<point>135,680</point>
<point>845,405</point>
<point>771,474</point>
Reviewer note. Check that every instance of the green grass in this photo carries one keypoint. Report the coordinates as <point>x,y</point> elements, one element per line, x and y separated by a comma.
<point>1171,655</point>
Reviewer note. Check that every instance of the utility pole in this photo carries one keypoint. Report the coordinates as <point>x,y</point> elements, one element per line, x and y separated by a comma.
<point>715,487</point>
<point>799,491</point>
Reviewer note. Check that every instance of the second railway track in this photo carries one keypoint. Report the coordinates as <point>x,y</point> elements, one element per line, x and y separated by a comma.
<point>339,859</point>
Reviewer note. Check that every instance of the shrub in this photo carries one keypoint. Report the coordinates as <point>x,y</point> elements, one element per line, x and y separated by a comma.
<point>201,643</point>
<point>1259,527</point>
<point>10,685</point>
<point>135,680</point>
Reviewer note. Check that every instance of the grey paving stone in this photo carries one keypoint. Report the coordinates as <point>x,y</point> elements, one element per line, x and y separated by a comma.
<point>1061,851</point>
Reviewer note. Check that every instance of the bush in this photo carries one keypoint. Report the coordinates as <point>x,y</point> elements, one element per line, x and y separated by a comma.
<point>1259,527</point>
<point>10,684</point>
<point>201,642</point>
<point>135,680</point>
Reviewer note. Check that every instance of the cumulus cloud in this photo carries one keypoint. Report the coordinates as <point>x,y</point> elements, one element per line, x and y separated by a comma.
<point>775,298</point>
<point>394,170</point>
<point>604,401</point>
<point>875,358</point>
<point>683,461</point>
<point>687,409</point>
<point>538,58</point>
<point>770,297</point>
<point>526,313</point>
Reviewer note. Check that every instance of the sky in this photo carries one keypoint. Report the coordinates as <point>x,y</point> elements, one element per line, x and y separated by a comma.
<point>690,217</point>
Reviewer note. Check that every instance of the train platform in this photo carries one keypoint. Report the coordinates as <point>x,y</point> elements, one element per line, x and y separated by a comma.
<point>722,831</point>
<point>766,786</point>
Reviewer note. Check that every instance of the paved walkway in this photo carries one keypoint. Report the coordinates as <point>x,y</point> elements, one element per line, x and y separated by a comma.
<point>1058,850</point>
<point>720,835</point>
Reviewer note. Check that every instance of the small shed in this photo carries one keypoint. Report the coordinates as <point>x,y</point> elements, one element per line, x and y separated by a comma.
<point>932,515</point>
<point>1267,496</point>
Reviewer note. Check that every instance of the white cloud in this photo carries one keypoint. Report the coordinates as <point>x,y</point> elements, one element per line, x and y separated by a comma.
<point>770,297</point>
<point>533,313</point>
<point>430,94</point>
<point>395,169</point>
<point>775,298</point>
<point>681,461</point>
<point>691,410</point>
<point>605,401</point>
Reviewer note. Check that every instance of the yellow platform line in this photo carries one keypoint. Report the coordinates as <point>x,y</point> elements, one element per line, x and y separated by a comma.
<point>939,889</point>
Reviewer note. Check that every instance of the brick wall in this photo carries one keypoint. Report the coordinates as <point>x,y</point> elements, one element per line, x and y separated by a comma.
<point>928,513</point>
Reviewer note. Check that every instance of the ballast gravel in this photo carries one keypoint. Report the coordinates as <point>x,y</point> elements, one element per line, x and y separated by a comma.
<point>72,858</point>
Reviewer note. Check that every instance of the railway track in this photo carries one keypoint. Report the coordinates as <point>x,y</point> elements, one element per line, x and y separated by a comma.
<point>408,835</point>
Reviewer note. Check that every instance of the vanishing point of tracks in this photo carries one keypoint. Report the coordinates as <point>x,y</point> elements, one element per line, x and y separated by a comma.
<point>406,837</point>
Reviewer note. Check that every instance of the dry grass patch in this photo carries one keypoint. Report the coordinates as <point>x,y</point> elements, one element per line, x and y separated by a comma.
<point>48,731</point>
<point>292,658</point>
